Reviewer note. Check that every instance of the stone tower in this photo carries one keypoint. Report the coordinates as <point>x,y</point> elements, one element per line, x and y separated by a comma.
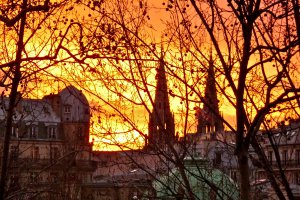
<point>161,125</point>
<point>73,109</point>
<point>208,120</point>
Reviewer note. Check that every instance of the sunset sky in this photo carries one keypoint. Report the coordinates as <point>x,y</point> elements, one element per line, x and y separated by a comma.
<point>118,85</point>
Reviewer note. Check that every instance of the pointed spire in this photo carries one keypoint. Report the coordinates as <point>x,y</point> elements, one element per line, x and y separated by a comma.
<point>210,89</point>
<point>161,93</point>
<point>161,122</point>
<point>208,120</point>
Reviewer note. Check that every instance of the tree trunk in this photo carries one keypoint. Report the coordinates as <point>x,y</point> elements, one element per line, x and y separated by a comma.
<point>244,174</point>
<point>12,103</point>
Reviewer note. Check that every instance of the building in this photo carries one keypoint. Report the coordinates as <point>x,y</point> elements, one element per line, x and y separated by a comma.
<point>286,139</point>
<point>50,155</point>
<point>129,174</point>
<point>209,117</point>
<point>211,141</point>
<point>122,175</point>
<point>161,127</point>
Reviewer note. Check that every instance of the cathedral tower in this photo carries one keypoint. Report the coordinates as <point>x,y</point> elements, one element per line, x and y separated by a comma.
<point>161,125</point>
<point>209,116</point>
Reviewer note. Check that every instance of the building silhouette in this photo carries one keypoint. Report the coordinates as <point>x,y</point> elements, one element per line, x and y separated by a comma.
<point>50,153</point>
<point>51,156</point>
<point>161,127</point>
<point>286,138</point>
<point>209,120</point>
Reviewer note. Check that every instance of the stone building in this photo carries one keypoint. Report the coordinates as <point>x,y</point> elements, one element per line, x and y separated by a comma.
<point>50,154</point>
<point>122,175</point>
<point>161,127</point>
<point>286,140</point>
<point>209,117</point>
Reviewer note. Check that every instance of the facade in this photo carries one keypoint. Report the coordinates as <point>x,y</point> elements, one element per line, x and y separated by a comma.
<point>122,175</point>
<point>210,140</point>
<point>51,156</point>
<point>286,138</point>
<point>50,153</point>
<point>132,174</point>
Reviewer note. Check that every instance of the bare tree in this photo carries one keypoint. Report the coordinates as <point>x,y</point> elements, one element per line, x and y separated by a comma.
<point>35,37</point>
<point>253,46</point>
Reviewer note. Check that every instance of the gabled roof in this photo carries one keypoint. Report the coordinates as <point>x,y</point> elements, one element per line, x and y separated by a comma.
<point>31,110</point>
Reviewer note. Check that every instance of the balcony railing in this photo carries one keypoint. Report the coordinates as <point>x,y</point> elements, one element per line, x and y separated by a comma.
<point>286,163</point>
<point>42,163</point>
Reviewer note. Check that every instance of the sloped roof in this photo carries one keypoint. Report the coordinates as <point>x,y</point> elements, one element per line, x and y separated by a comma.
<point>286,135</point>
<point>73,91</point>
<point>31,110</point>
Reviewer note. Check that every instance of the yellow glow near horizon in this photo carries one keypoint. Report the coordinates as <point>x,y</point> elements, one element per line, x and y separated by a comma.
<point>99,93</point>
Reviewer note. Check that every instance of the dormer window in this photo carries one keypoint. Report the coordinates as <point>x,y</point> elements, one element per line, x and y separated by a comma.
<point>33,131</point>
<point>14,131</point>
<point>27,108</point>
<point>67,108</point>
<point>45,109</point>
<point>51,130</point>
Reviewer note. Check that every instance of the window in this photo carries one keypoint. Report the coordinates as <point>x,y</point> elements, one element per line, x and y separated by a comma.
<point>297,156</point>
<point>45,109</point>
<point>35,153</point>
<point>33,177</point>
<point>218,158</point>
<point>27,108</point>
<point>14,131</point>
<point>134,195</point>
<point>54,153</point>
<point>297,178</point>
<point>51,132</point>
<point>54,176</point>
<point>72,177</point>
<point>14,152</point>
<point>284,157</point>
<point>67,108</point>
<point>234,175</point>
<point>270,156</point>
<point>33,131</point>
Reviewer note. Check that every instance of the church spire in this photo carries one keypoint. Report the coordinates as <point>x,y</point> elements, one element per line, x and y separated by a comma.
<point>161,121</point>
<point>208,118</point>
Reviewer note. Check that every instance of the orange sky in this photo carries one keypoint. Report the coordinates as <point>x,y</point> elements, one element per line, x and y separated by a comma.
<point>138,114</point>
